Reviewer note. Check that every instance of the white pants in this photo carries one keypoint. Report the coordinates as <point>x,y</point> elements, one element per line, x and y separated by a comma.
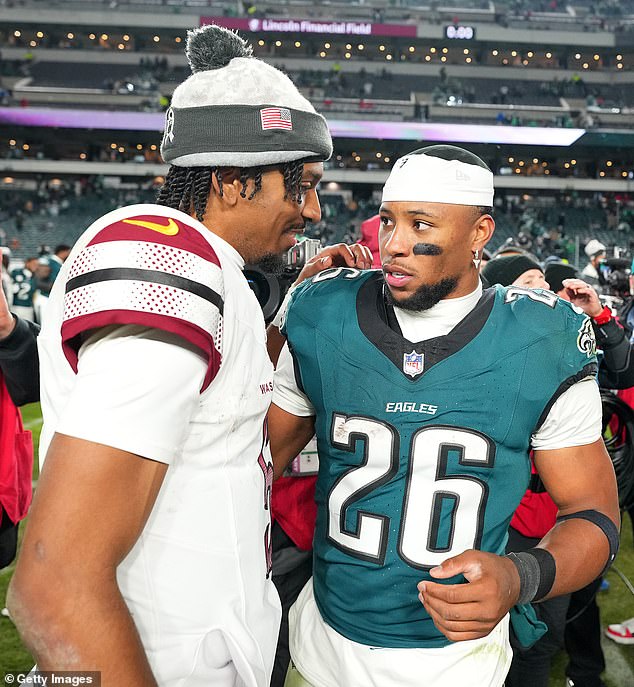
<point>327,659</point>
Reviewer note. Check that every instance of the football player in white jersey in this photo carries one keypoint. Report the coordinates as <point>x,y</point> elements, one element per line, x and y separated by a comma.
<point>147,554</point>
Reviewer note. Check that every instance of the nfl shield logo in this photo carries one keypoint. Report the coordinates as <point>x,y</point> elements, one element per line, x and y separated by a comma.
<point>413,363</point>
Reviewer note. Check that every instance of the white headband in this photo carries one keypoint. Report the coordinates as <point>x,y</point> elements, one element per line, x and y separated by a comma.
<point>434,180</point>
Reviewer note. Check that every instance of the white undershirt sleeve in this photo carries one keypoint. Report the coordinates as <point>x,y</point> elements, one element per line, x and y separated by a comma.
<point>574,420</point>
<point>286,394</point>
<point>135,390</point>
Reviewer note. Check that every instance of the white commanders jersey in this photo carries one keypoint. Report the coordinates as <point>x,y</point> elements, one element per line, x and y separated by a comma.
<point>197,582</point>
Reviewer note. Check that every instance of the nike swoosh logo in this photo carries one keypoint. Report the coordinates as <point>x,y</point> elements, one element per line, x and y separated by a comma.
<point>170,230</point>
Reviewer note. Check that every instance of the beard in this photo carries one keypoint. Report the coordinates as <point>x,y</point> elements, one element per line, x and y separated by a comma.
<point>272,263</point>
<point>426,296</point>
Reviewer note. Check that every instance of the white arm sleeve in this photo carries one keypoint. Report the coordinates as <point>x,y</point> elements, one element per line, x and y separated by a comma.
<point>286,394</point>
<point>135,390</point>
<point>574,420</point>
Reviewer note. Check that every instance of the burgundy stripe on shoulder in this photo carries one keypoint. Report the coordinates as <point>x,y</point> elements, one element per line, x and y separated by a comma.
<point>71,330</point>
<point>158,229</point>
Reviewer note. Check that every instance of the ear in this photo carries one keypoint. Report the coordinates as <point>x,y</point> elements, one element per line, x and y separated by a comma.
<point>231,186</point>
<point>485,226</point>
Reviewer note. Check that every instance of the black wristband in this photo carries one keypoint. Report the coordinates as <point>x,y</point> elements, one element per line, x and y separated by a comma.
<point>537,570</point>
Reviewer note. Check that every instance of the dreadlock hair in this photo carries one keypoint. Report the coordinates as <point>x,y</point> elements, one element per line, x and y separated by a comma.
<point>188,188</point>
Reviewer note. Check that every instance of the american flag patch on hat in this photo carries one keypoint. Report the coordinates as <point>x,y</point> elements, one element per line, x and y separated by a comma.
<point>276,118</point>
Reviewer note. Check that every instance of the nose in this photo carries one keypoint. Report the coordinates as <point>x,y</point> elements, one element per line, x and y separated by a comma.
<point>311,211</point>
<point>394,242</point>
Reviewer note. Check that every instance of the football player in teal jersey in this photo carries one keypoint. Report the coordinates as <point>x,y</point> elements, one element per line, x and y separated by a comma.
<point>426,394</point>
<point>24,287</point>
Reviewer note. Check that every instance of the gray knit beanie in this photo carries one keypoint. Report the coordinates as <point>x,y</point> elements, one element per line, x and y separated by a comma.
<point>235,110</point>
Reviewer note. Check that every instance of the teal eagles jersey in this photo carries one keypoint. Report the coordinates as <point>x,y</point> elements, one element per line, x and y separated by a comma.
<point>423,447</point>
<point>23,287</point>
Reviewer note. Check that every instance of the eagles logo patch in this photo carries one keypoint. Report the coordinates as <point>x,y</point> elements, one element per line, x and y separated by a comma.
<point>586,342</point>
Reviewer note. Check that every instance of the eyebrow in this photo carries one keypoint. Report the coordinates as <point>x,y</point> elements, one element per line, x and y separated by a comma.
<point>414,212</point>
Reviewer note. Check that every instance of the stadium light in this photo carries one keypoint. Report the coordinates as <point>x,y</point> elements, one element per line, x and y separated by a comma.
<point>327,46</point>
<point>548,55</point>
<point>348,46</point>
<point>70,36</point>
<point>360,46</point>
<point>382,48</point>
<point>347,56</point>
<point>495,53</point>
<point>39,34</point>
<point>298,44</point>
<point>427,58</point>
<point>18,33</point>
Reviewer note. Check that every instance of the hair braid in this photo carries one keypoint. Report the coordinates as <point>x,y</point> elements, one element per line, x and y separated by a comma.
<point>257,181</point>
<point>188,193</point>
<point>171,192</point>
<point>218,175</point>
<point>202,186</point>
<point>293,172</point>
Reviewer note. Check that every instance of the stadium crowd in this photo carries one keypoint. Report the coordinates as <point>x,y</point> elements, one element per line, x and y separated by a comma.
<point>163,553</point>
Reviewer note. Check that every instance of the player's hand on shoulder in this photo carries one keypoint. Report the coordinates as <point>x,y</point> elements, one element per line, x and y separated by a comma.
<point>340,255</point>
<point>472,609</point>
<point>583,296</point>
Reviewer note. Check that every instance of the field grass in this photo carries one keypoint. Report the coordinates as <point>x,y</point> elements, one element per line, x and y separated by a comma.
<point>616,604</point>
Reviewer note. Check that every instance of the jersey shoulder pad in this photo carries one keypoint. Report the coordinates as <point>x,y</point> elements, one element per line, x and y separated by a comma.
<point>546,315</point>
<point>326,293</point>
<point>153,270</point>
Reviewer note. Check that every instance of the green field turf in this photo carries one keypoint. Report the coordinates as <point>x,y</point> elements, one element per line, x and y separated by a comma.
<point>616,604</point>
